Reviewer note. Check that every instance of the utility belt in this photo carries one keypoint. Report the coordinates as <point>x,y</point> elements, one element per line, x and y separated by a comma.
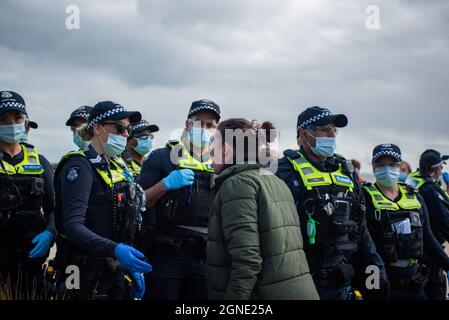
<point>340,276</point>
<point>22,220</point>
<point>68,255</point>
<point>101,264</point>
<point>153,240</point>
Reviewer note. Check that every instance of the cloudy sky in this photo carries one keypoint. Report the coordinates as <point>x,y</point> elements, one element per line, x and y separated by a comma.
<point>257,59</point>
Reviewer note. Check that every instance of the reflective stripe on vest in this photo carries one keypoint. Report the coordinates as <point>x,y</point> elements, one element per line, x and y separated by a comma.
<point>415,180</point>
<point>29,165</point>
<point>189,162</point>
<point>116,174</point>
<point>407,202</point>
<point>312,177</point>
<point>135,168</point>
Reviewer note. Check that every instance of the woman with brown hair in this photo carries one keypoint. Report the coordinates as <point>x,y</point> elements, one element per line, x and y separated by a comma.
<point>254,248</point>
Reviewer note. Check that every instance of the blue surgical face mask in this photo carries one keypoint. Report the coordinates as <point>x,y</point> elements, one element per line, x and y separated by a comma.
<point>199,137</point>
<point>115,145</point>
<point>80,143</point>
<point>403,176</point>
<point>24,138</point>
<point>143,146</point>
<point>387,176</point>
<point>325,146</point>
<point>12,133</point>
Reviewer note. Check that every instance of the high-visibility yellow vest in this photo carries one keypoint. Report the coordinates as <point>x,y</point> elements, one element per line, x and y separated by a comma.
<point>312,177</point>
<point>408,200</point>
<point>187,161</point>
<point>30,164</point>
<point>118,173</point>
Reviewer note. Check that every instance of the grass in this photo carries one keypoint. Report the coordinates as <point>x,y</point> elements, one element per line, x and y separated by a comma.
<point>21,289</point>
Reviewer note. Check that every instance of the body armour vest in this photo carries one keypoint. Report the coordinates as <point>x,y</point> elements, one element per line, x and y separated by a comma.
<point>328,212</point>
<point>21,197</point>
<point>114,202</point>
<point>188,206</point>
<point>396,226</point>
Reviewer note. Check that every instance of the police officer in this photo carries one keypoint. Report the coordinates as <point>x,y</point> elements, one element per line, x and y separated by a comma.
<point>77,119</point>
<point>177,180</point>
<point>139,145</point>
<point>27,227</point>
<point>330,205</point>
<point>426,180</point>
<point>97,202</point>
<point>399,225</point>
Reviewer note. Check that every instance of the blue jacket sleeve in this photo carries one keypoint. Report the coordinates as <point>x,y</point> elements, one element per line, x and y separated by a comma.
<point>48,203</point>
<point>432,248</point>
<point>438,213</point>
<point>152,170</point>
<point>75,193</point>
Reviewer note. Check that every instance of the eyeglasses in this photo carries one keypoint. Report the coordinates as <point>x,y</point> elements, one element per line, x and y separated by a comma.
<point>327,129</point>
<point>119,127</point>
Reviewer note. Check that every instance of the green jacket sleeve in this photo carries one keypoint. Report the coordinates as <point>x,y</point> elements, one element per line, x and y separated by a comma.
<point>240,228</point>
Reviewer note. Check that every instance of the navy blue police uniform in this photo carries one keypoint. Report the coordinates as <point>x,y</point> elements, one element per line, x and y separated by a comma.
<point>437,202</point>
<point>26,209</point>
<point>402,248</point>
<point>97,203</point>
<point>332,215</point>
<point>176,227</point>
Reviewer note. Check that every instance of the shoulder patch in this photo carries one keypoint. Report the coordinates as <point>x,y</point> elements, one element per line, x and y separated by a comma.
<point>73,173</point>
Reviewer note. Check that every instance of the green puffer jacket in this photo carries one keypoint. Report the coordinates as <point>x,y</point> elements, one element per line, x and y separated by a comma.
<point>254,248</point>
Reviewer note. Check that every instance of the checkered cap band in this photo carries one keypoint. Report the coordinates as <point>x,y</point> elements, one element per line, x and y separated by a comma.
<point>314,119</point>
<point>140,125</point>
<point>81,115</point>
<point>103,116</point>
<point>387,153</point>
<point>202,107</point>
<point>12,104</point>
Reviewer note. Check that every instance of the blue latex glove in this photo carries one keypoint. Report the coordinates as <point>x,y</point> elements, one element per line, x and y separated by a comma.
<point>132,259</point>
<point>42,242</point>
<point>178,179</point>
<point>139,285</point>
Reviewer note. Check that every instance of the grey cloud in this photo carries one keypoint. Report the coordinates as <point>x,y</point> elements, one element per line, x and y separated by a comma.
<point>258,59</point>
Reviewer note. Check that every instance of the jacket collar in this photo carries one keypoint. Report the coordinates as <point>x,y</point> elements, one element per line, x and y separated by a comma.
<point>94,158</point>
<point>232,170</point>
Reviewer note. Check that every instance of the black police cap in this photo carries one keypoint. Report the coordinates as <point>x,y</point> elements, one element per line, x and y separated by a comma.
<point>142,125</point>
<point>79,113</point>
<point>202,105</point>
<point>108,110</point>
<point>318,116</point>
<point>387,150</point>
<point>432,158</point>
<point>33,124</point>
<point>10,100</point>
